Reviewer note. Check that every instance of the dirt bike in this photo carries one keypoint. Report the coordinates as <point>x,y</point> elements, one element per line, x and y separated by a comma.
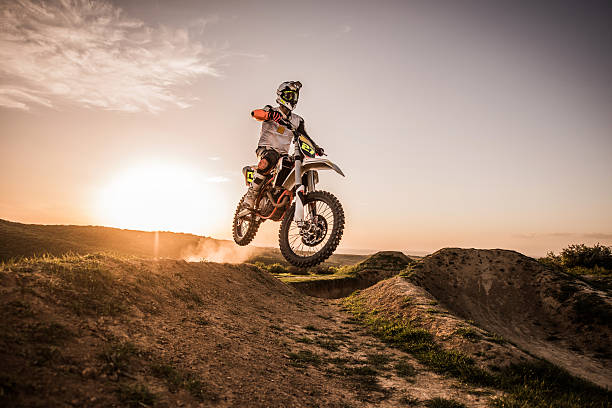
<point>312,222</point>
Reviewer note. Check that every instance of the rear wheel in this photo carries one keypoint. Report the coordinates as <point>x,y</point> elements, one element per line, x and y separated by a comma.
<point>318,238</point>
<point>244,228</point>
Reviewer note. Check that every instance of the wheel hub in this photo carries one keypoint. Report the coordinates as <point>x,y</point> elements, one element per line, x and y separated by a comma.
<point>314,231</point>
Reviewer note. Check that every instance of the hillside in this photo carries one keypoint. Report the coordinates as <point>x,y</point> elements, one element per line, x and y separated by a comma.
<point>23,240</point>
<point>100,330</point>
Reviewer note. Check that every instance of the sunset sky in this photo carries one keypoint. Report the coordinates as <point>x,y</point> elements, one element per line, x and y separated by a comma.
<point>457,123</point>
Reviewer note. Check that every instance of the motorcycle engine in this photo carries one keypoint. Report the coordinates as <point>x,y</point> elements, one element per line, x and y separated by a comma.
<point>265,206</point>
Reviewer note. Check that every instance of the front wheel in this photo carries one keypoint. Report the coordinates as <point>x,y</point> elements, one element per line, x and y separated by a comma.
<point>313,242</point>
<point>244,228</point>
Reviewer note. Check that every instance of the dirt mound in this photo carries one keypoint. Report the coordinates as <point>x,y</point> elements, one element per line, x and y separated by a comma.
<point>548,313</point>
<point>384,261</point>
<point>366,273</point>
<point>99,330</point>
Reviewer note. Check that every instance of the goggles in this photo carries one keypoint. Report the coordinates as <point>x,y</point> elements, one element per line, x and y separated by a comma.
<point>289,96</point>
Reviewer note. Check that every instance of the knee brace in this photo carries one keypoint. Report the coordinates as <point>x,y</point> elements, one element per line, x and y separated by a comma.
<point>268,159</point>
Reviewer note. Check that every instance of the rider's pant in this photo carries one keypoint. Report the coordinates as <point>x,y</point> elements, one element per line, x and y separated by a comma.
<point>268,158</point>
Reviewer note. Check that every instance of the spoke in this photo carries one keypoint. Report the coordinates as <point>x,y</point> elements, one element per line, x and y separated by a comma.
<point>293,242</point>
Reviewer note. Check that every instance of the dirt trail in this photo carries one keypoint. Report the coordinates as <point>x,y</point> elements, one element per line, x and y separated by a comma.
<point>103,331</point>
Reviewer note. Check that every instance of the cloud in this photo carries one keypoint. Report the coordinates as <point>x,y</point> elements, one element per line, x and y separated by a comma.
<point>345,29</point>
<point>88,52</point>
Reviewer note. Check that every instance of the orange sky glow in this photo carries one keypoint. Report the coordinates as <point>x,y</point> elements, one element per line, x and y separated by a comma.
<point>473,125</point>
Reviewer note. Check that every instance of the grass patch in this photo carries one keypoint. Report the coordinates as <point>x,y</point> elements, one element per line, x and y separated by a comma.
<point>116,357</point>
<point>177,379</point>
<point>496,338</point>
<point>420,343</point>
<point>541,385</point>
<point>536,384</point>
<point>80,283</point>
<point>135,396</point>
<point>468,333</point>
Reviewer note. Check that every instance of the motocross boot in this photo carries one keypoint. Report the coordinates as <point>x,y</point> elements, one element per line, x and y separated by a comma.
<point>251,195</point>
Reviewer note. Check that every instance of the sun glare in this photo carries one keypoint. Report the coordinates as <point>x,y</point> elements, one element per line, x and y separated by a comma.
<point>160,197</point>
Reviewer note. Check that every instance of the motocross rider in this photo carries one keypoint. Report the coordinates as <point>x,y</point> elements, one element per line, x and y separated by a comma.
<point>275,137</point>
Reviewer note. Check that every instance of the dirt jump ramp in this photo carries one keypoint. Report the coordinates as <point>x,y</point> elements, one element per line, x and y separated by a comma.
<point>548,313</point>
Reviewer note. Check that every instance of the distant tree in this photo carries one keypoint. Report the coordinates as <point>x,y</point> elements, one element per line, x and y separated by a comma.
<point>588,257</point>
<point>581,256</point>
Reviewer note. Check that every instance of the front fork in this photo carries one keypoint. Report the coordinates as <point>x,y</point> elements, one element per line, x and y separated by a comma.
<point>298,216</point>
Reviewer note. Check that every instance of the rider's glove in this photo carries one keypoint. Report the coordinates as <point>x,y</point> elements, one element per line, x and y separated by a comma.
<point>274,116</point>
<point>319,151</point>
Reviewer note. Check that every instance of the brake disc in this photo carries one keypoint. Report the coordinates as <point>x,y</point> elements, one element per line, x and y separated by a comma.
<point>315,232</point>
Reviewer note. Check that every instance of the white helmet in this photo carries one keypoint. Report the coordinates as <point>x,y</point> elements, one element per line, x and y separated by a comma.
<point>288,94</point>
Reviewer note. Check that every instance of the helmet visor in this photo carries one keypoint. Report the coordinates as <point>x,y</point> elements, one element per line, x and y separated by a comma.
<point>289,96</point>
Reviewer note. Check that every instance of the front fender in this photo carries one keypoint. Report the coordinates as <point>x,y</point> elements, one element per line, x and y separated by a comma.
<point>311,164</point>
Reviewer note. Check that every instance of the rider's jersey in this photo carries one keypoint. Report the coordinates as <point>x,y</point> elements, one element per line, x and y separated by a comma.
<point>278,137</point>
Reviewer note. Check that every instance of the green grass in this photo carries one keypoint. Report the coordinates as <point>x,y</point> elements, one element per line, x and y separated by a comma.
<point>536,384</point>
<point>421,344</point>
<point>496,338</point>
<point>78,282</point>
<point>468,333</point>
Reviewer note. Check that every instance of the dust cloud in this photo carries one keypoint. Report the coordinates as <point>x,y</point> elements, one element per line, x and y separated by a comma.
<point>217,251</point>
